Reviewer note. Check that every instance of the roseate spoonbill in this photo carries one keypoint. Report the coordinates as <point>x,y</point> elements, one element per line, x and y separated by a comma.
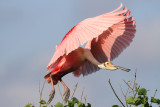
<point>104,36</point>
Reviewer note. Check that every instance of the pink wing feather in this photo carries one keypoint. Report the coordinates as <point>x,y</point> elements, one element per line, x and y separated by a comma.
<point>109,44</point>
<point>85,31</point>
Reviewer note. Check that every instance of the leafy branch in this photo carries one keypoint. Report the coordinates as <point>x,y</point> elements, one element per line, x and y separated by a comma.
<point>138,95</point>
<point>73,102</point>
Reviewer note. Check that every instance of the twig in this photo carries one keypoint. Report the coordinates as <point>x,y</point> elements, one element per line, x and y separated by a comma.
<point>115,93</point>
<point>82,94</point>
<point>85,100</point>
<point>40,91</point>
<point>75,87</point>
<point>122,90</point>
<point>60,92</point>
<point>123,94</point>
<point>127,91</point>
<point>128,85</point>
<point>136,92</point>
<point>134,83</point>
<point>128,88</point>
<point>134,78</point>
<point>154,94</point>
<point>39,86</point>
<point>42,87</point>
<point>39,94</point>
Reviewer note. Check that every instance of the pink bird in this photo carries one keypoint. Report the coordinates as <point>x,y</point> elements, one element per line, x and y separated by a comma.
<point>104,37</point>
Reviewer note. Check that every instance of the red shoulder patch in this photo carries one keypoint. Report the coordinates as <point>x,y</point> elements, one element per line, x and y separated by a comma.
<point>68,33</point>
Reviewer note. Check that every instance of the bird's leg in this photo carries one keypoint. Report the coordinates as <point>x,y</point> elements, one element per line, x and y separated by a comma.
<point>51,96</point>
<point>67,92</point>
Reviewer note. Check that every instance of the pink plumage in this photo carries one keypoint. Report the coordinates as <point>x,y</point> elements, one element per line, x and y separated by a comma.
<point>92,28</point>
<point>106,36</point>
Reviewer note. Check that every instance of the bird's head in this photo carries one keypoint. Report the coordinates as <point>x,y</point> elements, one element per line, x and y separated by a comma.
<point>110,66</point>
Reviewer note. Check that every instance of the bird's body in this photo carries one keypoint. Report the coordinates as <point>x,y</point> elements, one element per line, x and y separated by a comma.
<point>106,36</point>
<point>68,63</point>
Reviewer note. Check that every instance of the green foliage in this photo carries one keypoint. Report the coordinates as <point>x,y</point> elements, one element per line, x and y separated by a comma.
<point>136,88</point>
<point>59,105</point>
<point>80,104</point>
<point>142,91</point>
<point>154,100</point>
<point>130,100</point>
<point>141,99</point>
<point>116,106</point>
<point>42,102</point>
<point>71,103</point>
<point>75,101</point>
<point>137,101</point>
<point>138,96</point>
<point>29,105</point>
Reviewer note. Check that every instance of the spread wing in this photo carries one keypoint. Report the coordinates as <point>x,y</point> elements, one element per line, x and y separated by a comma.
<point>85,31</point>
<point>109,44</point>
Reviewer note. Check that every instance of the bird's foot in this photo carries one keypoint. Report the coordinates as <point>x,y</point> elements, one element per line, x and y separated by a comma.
<point>51,96</point>
<point>66,94</point>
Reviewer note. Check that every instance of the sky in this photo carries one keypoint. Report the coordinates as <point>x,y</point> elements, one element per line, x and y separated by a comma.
<point>30,30</point>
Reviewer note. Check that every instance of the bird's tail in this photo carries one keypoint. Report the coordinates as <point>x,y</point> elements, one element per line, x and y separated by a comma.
<point>54,71</point>
<point>47,77</point>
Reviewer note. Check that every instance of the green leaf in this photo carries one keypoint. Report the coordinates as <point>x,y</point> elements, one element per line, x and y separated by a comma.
<point>59,105</point>
<point>75,100</point>
<point>42,102</point>
<point>115,106</point>
<point>142,105</point>
<point>88,105</point>
<point>145,105</point>
<point>130,100</point>
<point>142,91</point>
<point>44,106</point>
<point>137,101</point>
<point>70,104</point>
<point>144,100</point>
<point>136,89</point>
<point>154,100</point>
<point>51,105</point>
<point>27,105</point>
<point>80,104</point>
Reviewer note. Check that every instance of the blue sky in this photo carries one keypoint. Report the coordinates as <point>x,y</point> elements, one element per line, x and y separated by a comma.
<point>30,30</point>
